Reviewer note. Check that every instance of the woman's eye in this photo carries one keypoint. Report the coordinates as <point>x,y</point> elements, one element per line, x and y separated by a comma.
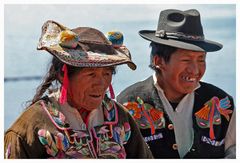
<point>107,73</point>
<point>90,74</point>
<point>185,60</point>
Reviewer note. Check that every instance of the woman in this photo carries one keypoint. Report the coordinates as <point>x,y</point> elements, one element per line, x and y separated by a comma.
<point>77,120</point>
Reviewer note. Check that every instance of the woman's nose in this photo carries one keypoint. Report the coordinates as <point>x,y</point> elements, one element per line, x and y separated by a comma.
<point>99,81</point>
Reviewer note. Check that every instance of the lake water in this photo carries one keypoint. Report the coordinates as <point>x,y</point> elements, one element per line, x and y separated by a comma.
<point>23,28</point>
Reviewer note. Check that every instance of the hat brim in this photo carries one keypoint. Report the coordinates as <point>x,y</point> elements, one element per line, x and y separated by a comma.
<point>206,45</point>
<point>77,56</point>
<point>89,59</point>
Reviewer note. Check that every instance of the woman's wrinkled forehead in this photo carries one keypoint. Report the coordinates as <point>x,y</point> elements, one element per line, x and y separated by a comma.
<point>97,69</point>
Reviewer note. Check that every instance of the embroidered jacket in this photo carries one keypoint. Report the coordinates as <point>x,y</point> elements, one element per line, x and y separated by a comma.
<point>211,114</point>
<point>43,131</point>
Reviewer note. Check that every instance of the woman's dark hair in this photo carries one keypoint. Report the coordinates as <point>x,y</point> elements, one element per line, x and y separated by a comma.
<point>51,79</point>
<point>162,51</point>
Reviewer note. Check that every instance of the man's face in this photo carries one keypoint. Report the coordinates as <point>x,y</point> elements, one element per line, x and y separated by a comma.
<point>182,73</point>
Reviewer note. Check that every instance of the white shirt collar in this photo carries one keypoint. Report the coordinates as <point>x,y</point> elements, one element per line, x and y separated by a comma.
<point>181,118</point>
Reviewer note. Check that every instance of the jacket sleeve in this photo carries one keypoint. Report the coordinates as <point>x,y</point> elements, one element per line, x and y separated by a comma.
<point>230,139</point>
<point>21,139</point>
<point>14,146</point>
<point>136,146</point>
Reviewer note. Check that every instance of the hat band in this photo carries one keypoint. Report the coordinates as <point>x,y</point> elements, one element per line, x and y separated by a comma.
<point>178,35</point>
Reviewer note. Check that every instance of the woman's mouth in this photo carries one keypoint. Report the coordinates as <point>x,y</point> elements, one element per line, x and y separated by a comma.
<point>95,96</point>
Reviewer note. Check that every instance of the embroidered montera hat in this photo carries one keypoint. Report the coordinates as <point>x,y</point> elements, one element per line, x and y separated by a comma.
<point>82,46</point>
<point>180,29</point>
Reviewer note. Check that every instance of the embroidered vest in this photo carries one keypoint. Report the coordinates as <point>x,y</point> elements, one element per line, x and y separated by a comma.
<point>211,115</point>
<point>104,141</point>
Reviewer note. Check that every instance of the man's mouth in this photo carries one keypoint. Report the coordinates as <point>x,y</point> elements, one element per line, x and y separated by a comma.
<point>189,79</point>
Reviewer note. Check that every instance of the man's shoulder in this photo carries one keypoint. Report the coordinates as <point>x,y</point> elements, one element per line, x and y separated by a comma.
<point>136,88</point>
<point>211,90</point>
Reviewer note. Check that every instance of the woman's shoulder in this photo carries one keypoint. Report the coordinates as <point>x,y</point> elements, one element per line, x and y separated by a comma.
<point>22,138</point>
<point>32,118</point>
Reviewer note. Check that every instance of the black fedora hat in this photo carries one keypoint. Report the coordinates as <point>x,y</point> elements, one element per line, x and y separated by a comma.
<point>181,29</point>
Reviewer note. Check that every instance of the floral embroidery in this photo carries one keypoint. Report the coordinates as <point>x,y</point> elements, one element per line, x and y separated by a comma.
<point>134,109</point>
<point>110,141</point>
<point>210,113</point>
<point>57,118</point>
<point>127,129</point>
<point>47,140</point>
<point>109,111</point>
<point>81,143</point>
<point>69,143</point>
<point>145,115</point>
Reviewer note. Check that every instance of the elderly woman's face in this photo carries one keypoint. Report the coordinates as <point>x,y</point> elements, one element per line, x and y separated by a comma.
<point>88,86</point>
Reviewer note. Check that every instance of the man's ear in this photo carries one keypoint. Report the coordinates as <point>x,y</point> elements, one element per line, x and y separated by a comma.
<point>159,62</point>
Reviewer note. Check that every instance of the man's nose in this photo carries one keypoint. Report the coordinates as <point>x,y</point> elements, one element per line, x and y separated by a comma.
<point>193,68</point>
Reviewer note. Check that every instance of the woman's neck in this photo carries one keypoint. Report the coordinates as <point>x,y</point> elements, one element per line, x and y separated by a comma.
<point>84,114</point>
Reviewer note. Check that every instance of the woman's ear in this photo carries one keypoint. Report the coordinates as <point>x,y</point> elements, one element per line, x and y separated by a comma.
<point>60,78</point>
<point>159,62</point>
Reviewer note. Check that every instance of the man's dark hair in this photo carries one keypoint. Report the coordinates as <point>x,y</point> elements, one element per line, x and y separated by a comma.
<point>162,51</point>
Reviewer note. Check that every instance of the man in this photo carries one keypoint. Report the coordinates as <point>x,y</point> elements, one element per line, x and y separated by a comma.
<point>180,116</point>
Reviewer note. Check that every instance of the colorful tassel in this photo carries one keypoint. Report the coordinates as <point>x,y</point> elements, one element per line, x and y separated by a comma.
<point>63,95</point>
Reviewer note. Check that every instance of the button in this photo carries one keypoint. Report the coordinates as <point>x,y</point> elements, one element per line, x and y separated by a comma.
<point>175,146</point>
<point>160,125</point>
<point>193,150</point>
<point>170,126</point>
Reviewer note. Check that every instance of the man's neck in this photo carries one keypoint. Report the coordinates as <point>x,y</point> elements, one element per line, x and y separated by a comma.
<point>172,96</point>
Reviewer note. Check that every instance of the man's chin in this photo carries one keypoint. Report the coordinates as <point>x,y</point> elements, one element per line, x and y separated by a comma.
<point>189,90</point>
